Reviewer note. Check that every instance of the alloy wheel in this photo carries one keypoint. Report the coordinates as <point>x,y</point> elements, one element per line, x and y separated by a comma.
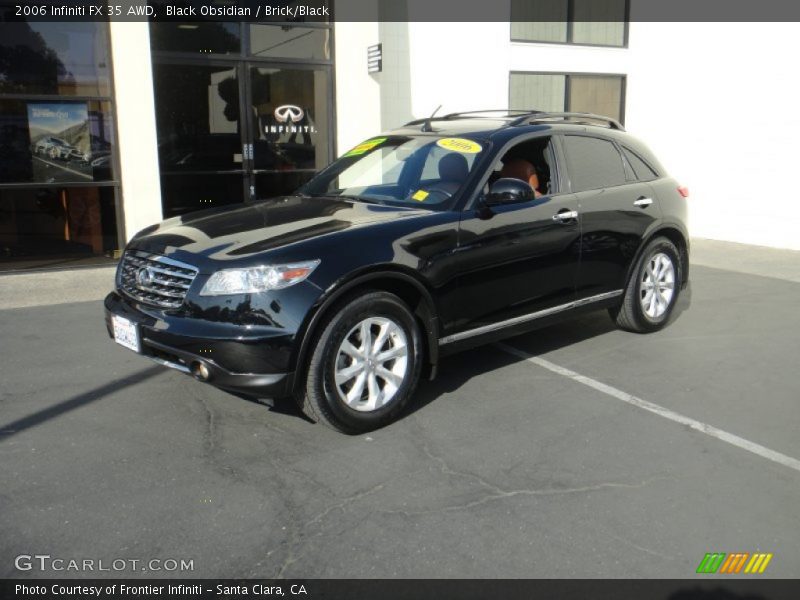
<point>658,285</point>
<point>371,364</point>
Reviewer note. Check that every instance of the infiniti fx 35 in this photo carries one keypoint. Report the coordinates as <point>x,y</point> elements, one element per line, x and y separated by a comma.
<point>429,239</point>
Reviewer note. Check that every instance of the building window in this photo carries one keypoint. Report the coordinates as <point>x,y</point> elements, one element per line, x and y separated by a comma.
<point>587,22</point>
<point>599,94</point>
<point>196,38</point>
<point>58,187</point>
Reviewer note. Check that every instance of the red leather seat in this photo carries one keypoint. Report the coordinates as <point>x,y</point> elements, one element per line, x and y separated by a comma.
<point>519,168</point>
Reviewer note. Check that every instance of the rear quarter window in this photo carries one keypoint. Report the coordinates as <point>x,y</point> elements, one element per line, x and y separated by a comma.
<point>641,169</point>
<point>593,163</point>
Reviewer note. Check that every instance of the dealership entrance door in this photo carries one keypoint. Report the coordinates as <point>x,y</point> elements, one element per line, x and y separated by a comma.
<point>247,115</point>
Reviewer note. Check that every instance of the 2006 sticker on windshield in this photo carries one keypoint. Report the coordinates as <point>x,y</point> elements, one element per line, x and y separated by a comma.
<point>459,145</point>
<point>364,147</point>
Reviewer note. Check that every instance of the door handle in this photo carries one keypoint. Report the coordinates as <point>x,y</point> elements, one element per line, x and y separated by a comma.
<point>643,202</point>
<point>565,215</point>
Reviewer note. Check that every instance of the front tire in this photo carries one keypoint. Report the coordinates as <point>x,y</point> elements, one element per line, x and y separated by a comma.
<point>365,365</point>
<point>653,289</point>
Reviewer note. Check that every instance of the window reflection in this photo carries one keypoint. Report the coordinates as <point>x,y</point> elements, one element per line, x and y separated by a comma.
<point>288,41</point>
<point>68,59</point>
<point>197,114</point>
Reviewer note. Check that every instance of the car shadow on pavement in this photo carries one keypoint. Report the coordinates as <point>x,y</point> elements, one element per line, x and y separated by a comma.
<point>51,412</point>
<point>458,369</point>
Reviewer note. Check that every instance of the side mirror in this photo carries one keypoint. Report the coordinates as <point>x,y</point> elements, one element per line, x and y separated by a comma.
<point>509,191</point>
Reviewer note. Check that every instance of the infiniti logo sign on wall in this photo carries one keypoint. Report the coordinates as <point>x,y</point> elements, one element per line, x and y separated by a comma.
<point>290,112</point>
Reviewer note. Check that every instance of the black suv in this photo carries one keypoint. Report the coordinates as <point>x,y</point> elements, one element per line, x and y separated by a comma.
<point>443,234</point>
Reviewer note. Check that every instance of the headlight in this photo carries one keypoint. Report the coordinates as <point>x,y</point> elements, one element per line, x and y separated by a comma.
<point>257,279</point>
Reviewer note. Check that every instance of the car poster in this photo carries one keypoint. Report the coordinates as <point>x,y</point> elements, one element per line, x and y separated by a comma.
<point>60,141</point>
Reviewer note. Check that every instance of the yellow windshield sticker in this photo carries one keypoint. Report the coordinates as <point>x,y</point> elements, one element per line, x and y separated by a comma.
<point>420,195</point>
<point>364,147</point>
<point>459,145</point>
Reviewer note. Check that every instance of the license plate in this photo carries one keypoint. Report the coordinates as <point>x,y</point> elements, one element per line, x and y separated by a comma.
<point>126,333</point>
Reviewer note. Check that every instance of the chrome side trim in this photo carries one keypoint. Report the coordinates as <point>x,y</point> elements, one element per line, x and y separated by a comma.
<point>529,317</point>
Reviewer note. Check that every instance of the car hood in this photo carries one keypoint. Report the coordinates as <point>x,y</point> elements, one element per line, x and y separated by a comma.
<point>240,231</point>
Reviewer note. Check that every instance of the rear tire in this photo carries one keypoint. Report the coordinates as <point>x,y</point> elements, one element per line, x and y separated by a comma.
<point>652,290</point>
<point>365,364</point>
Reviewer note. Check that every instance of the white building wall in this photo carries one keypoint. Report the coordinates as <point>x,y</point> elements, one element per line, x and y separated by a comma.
<point>716,102</point>
<point>462,66</point>
<point>136,125</point>
<point>358,94</point>
<point>706,97</point>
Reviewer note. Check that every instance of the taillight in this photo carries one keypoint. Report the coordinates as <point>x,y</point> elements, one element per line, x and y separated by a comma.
<point>683,191</point>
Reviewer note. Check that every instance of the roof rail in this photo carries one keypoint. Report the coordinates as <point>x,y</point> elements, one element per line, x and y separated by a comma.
<point>576,117</point>
<point>526,117</point>
<point>487,114</point>
<point>477,113</point>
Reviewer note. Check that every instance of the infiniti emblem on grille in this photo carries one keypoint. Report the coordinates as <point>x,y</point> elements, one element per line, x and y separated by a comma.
<point>144,277</point>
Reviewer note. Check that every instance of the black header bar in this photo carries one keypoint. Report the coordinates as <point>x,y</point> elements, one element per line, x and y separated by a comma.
<point>442,11</point>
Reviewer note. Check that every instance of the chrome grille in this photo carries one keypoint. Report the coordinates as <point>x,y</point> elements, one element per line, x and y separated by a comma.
<point>164,282</point>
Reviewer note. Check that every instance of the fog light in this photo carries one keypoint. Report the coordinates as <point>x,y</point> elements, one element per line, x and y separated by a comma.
<point>200,371</point>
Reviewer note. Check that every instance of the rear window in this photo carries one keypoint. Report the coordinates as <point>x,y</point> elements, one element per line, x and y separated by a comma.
<point>593,163</point>
<point>641,169</point>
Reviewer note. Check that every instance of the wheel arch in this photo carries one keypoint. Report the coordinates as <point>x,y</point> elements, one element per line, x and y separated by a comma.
<point>674,234</point>
<point>387,278</point>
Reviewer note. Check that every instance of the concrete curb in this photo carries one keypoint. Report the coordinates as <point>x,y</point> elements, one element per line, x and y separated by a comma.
<point>43,288</point>
<point>744,258</point>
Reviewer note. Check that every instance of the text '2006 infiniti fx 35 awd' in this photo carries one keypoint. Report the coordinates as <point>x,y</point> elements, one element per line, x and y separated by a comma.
<point>440,235</point>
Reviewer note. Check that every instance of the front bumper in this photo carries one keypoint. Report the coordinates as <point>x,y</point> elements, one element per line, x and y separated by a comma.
<point>238,358</point>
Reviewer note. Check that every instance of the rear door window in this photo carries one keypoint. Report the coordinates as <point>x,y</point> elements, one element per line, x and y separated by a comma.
<point>593,163</point>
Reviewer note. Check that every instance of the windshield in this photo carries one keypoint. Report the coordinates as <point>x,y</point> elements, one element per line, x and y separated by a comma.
<point>424,171</point>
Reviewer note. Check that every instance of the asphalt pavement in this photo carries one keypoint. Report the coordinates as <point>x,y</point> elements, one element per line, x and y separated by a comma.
<point>504,467</point>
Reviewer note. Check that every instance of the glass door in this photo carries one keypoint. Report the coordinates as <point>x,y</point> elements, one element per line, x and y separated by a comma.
<point>290,126</point>
<point>201,134</point>
<point>253,120</point>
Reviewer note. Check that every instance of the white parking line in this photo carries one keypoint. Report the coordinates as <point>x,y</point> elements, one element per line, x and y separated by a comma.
<point>734,440</point>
